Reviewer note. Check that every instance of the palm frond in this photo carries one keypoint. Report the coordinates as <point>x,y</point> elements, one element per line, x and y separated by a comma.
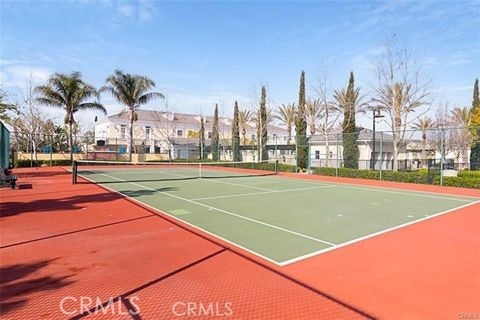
<point>92,106</point>
<point>147,97</point>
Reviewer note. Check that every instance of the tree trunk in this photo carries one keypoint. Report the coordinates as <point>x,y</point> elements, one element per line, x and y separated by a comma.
<point>289,137</point>
<point>424,153</point>
<point>395,151</point>
<point>70,138</point>
<point>130,134</point>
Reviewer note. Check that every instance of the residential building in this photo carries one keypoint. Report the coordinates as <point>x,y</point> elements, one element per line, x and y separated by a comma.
<point>172,135</point>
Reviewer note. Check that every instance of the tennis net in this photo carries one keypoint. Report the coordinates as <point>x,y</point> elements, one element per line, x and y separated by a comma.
<point>116,171</point>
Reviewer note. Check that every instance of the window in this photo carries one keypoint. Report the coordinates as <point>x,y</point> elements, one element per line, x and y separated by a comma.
<point>179,133</point>
<point>317,154</point>
<point>123,131</point>
<point>148,132</point>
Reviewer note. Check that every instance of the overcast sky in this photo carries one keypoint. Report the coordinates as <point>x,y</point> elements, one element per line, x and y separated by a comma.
<point>202,53</point>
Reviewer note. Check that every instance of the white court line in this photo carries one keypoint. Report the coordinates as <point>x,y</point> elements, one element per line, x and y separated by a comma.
<point>228,183</point>
<point>186,222</point>
<point>318,252</point>
<point>223,211</point>
<point>184,176</point>
<point>415,193</point>
<point>259,193</point>
<point>239,184</point>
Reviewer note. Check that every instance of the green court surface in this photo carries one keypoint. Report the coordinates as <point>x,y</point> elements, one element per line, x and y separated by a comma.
<point>280,219</point>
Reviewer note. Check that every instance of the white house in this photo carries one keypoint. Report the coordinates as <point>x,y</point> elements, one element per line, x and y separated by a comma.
<point>327,150</point>
<point>171,135</point>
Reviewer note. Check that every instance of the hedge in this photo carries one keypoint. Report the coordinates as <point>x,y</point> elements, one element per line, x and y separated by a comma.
<point>420,176</point>
<point>469,173</point>
<point>39,163</point>
<point>261,166</point>
<point>466,179</point>
<point>459,182</point>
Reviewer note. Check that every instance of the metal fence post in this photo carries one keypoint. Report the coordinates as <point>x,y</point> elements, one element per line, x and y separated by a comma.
<point>309,150</point>
<point>51,149</point>
<point>31,150</point>
<point>381,154</point>
<point>276,156</point>
<point>296,154</point>
<point>442,151</point>
<point>336,167</point>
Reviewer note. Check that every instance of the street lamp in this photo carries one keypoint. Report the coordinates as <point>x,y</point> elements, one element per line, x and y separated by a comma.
<point>376,114</point>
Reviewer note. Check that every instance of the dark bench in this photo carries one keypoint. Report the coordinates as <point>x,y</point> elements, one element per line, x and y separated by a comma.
<point>7,179</point>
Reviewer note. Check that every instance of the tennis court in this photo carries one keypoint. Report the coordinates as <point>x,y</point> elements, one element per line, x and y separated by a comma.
<point>279,219</point>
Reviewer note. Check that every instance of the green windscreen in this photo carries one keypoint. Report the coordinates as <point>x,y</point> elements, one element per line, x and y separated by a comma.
<point>4,146</point>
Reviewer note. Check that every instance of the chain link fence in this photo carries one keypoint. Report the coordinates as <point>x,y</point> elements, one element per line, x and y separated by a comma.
<point>439,152</point>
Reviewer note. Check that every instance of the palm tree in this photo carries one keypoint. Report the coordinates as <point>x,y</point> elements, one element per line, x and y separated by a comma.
<point>341,101</point>
<point>286,115</point>
<point>244,117</point>
<point>398,100</point>
<point>70,92</point>
<point>424,125</point>
<point>314,114</point>
<point>461,116</point>
<point>132,91</point>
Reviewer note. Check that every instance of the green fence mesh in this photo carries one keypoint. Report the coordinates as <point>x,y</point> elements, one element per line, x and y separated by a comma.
<point>4,146</point>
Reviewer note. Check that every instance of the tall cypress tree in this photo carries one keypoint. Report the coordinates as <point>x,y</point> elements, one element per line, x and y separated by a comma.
<point>215,135</point>
<point>201,144</point>
<point>235,135</point>
<point>263,152</point>
<point>349,132</point>
<point>475,123</point>
<point>301,126</point>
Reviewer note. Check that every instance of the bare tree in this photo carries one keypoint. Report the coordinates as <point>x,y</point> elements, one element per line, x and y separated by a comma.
<point>399,92</point>
<point>30,122</point>
<point>453,136</point>
<point>329,111</point>
<point>165,126</point>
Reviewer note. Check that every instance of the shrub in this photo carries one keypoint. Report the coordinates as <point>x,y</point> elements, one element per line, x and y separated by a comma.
<point>469,173</point>
<point>420,176</point>
<point>39,163</point>
<point>459,182</point>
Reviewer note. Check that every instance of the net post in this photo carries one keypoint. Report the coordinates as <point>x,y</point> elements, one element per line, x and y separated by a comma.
<point>200,170</point>
<point>74,172</point>
<point>276,167</point>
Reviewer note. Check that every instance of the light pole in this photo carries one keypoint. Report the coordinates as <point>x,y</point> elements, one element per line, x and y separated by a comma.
<point>376,114</point>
